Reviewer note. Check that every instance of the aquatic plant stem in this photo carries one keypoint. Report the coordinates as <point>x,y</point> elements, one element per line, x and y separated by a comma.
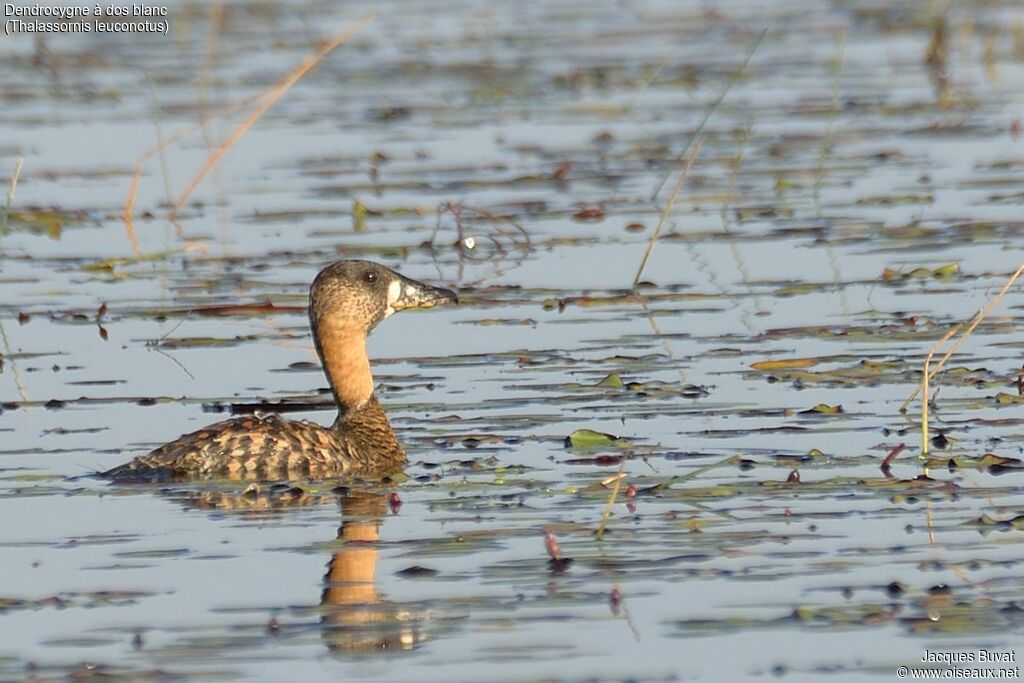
<point>826,142</point>
<point>693,474</point>
<point>616,485</point>
<point>929,373</point>
<point>14,368</point>
<point>133,186</point>
<point>924,387</point>
<point>981,315</point>
<point>161,147</point>
<point>668,209</point>
<point>3,229</point>
<point>10,194</point>
<point>737,162</point>
<point>265,102</point>
<point>714,107</point>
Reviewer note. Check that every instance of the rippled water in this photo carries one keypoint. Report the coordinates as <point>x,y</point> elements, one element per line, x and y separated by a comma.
<point>856,192</point>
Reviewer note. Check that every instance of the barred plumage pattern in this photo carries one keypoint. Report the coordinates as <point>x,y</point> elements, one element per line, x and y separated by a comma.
<point>359,444</point>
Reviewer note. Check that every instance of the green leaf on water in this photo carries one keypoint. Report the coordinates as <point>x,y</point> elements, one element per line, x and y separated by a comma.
<point>588,438</point>
<point>200,342</point>
<point>990,459</point>
<point>108,265</point>
<point>986,521</point>
<point>611,380</point>
<point>359,214</point>
<point>823,409</point>
<point>784,364</point>
<point>32,476</point>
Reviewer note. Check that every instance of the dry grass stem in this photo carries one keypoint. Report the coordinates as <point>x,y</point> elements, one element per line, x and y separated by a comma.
<point>924,386</point>
<point>616,482</point>
<point>266,101</point>
<point>133,186</point>
<point>10,194</point>
<point>668,209</point>
<point>930,372</point>
<point>826,142</point>
<point>714,106</point>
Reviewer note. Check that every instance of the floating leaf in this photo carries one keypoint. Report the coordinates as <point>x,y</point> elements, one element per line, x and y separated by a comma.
<point>359,214</point>
<point>200,342</point>
<point>946,272</point>
<point>990,459</point>
<point>51,223</point>
<point>612,379</point>
<point>1004,524</point>
<point>784,364</point>
<point>552,303</point>
<point>588,438</point>
<point>591,213</point>
<point>823,409</point>
<point>107,265</point>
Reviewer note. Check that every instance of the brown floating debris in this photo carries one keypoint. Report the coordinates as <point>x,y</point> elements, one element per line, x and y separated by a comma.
<point>562,171</point>
<point>887,461</point>
<point>551,544</point>
<point>416,571</point>
<point>590,213</point>
<point>245,309</point>
<point>615,601</point>
<point>557,563</point>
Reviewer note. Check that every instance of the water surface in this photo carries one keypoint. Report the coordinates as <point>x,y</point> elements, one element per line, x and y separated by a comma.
<point>851,199</point>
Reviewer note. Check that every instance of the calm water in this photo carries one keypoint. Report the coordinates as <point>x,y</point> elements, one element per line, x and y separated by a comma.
<point>857,191</point>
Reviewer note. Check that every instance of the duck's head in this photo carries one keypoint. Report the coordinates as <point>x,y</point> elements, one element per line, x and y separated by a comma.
<point>351,297</point>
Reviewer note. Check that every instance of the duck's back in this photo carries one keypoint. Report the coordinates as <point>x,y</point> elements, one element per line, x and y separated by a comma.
<point>269,447</point>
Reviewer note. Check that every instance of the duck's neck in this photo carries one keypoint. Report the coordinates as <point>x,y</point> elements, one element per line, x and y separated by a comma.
<point>347,367</point>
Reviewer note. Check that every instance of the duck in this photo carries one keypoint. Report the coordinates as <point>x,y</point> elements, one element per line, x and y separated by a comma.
<point>347,300</point>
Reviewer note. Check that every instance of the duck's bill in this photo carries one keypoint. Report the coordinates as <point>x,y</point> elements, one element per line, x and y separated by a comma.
<point>405,293</point>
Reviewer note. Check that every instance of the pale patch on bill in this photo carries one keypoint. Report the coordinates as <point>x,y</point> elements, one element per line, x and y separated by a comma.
<point>394,293</point>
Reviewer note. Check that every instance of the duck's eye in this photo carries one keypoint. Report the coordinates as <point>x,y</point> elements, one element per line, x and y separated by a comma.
<point>370,276</point>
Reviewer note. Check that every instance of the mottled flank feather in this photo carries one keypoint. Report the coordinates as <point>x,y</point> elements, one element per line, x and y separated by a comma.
<point>359,444</point>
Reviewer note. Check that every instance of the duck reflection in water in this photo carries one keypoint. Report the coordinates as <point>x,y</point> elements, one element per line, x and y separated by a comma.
<point>354,617</point>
